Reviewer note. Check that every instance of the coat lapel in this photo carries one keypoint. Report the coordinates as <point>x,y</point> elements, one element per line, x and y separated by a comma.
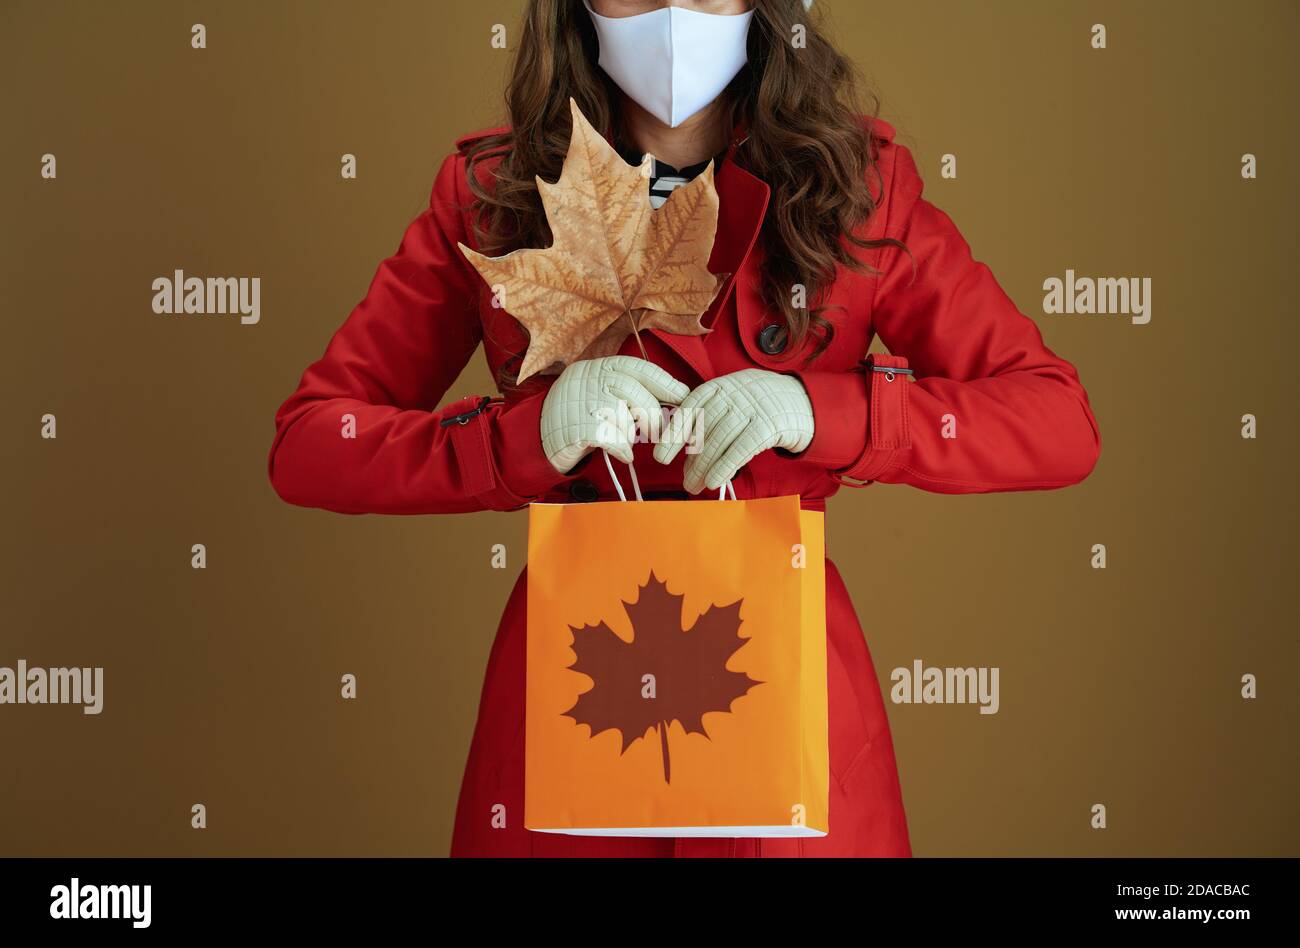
<point>742,202</point>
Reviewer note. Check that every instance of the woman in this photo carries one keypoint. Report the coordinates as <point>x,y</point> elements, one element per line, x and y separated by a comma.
<point>828,243</point>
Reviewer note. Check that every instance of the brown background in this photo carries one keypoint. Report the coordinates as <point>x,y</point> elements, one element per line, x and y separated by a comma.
<point>1118,686</point>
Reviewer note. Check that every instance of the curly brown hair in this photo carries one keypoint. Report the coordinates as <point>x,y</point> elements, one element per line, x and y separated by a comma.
<point>808,138</point>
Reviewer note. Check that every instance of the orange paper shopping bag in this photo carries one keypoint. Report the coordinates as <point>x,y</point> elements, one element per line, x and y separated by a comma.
<point>676,680</point>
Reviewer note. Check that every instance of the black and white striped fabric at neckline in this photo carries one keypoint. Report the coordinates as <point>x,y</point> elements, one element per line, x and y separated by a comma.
<point>665,178</point>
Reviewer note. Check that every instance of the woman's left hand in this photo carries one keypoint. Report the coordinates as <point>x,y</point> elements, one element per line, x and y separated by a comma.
<point>730,419</point>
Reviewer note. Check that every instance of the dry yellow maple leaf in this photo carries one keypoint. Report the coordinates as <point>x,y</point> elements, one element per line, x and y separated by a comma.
<point>615,265</point>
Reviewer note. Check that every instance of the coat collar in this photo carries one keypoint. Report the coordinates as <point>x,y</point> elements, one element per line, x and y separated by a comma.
<point>742,204</point>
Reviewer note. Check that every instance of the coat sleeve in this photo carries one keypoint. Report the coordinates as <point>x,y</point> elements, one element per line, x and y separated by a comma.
<point>361,433</point>
<point>988,407</point>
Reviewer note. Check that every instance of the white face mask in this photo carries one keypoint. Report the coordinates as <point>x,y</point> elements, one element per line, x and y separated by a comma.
<point>672,62</point>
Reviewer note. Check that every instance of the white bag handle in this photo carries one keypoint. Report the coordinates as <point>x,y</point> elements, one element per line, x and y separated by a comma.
<point>636,487</point>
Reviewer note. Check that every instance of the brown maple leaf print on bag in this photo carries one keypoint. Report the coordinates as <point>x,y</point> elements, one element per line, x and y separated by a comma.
<point>675,669</point>
<point>665,674</point>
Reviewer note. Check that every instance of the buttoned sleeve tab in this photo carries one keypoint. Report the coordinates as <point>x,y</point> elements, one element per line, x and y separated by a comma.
<point>888,433</point>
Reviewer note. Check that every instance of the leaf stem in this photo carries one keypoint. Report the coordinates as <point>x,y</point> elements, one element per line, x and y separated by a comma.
<point>636,333</point>
<point>663,740</point>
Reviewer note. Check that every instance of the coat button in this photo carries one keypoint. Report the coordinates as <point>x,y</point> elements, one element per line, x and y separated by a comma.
<point>772,339</point>
<point>584,492</point>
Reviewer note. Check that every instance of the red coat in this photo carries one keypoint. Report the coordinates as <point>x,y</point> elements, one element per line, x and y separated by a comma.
<point>1023,420</point>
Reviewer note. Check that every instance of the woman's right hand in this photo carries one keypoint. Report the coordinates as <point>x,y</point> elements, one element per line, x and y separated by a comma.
<point>597,403</point>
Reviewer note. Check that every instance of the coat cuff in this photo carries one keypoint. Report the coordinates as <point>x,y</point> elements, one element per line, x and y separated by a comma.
<point>523,472</point>
<point>889,437</point>
<point>499,449</point>
<point>839,404</point>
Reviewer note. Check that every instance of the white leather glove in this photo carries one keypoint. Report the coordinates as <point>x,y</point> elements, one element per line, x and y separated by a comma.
<point>596,403</point>
<point>730,419</point>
